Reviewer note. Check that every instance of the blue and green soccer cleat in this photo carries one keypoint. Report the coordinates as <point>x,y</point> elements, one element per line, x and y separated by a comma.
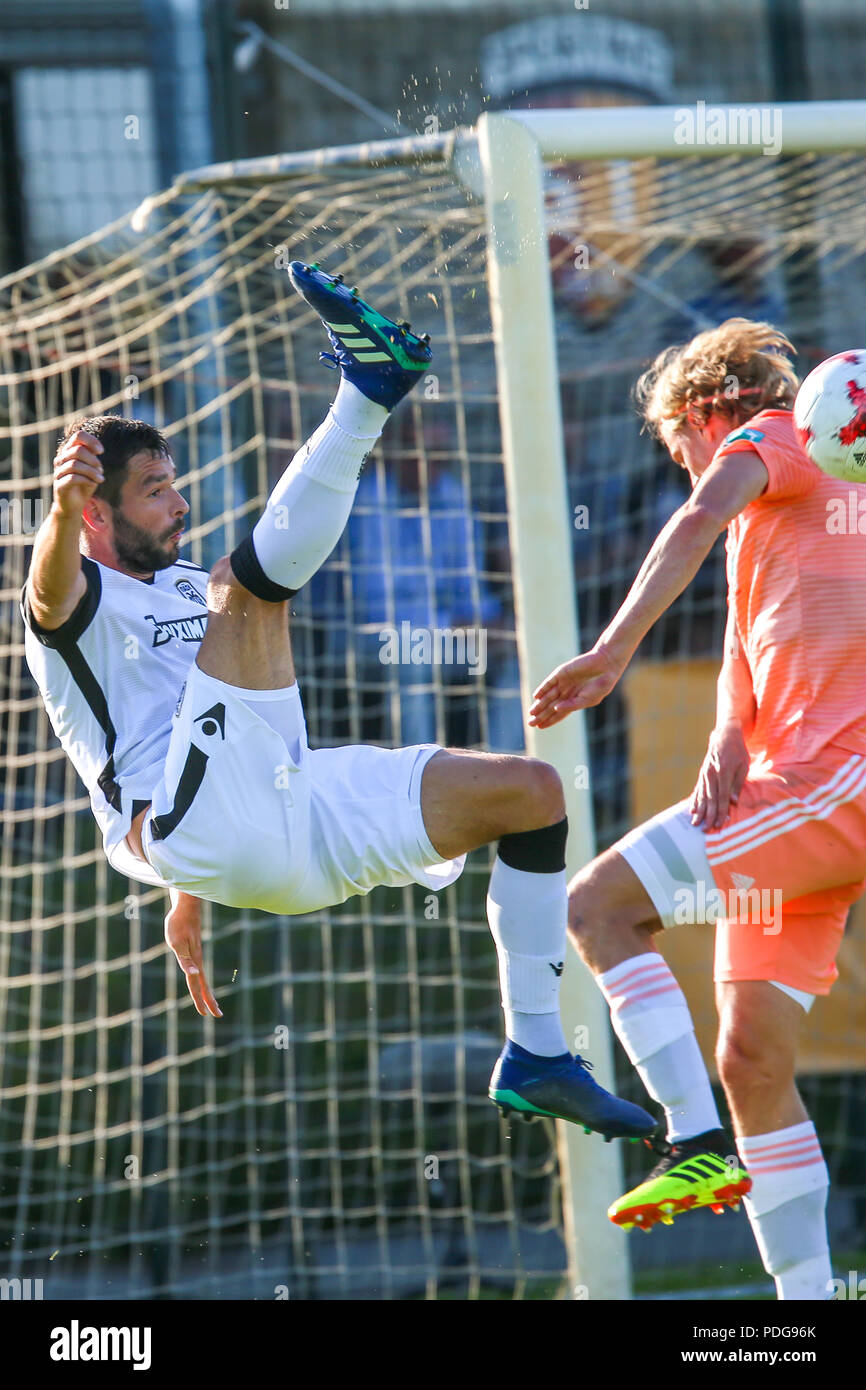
<point>382,358</point>
<point>562,1088</point>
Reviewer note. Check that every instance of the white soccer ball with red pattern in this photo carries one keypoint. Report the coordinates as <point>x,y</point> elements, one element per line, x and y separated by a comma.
<point>830,416</point>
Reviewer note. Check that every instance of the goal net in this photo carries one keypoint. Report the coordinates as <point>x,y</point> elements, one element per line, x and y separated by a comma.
<point>330,1136</point>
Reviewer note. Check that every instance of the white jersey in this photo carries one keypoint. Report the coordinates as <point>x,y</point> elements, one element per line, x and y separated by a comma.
<point>111,678</point>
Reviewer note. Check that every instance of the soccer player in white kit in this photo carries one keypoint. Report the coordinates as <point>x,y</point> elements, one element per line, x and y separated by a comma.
<point>174,694</point>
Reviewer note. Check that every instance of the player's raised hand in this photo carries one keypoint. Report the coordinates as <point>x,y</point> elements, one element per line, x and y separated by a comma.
<point>183,935</point>
<point>721,778</point>
<point>77,472</point>
<point>577,684</point>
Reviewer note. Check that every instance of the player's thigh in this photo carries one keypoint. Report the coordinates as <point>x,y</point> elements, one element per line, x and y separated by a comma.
<point>469,799</point>
<point>246,642</point>
<point>230,814</point>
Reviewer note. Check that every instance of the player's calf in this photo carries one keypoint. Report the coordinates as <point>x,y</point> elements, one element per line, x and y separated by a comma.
<point>759,1027</point>
<point>756,1054</point>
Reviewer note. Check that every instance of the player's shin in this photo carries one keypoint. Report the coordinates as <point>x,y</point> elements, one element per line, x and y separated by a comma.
<point>787,1209</point>
<point>310,505</point>
<point>535,1074</point>
<point>527,907</point>
<point>651,1018</point>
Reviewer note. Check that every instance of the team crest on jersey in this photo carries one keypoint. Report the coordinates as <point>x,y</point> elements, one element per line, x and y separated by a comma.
<point>179,629</point>
<point>189,591</point>
<point>754,436</point>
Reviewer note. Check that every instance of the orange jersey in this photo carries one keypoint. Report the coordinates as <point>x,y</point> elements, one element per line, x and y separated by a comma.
<point>797,584</point>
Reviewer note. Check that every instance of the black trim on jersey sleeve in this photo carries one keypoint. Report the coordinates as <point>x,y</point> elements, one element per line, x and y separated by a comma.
<point>98,705</point>
<point>64,641</point>
<point>79,619</point>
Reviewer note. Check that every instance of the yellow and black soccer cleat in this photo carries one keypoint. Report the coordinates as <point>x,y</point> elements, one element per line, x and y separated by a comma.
<point>700,1172</point>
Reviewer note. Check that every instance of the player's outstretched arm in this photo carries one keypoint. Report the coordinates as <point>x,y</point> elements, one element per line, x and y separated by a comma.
<point>56,582</point>
<point>675,558</point>
<point>183,935</point>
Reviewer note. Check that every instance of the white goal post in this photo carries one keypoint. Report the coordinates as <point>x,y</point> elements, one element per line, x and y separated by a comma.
<point>513,147</point>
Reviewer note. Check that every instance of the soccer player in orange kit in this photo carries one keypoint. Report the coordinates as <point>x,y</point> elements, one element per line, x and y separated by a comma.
<point>773,838</point>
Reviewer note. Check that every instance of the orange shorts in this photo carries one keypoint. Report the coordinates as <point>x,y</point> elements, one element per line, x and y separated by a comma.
<point>777,879</point>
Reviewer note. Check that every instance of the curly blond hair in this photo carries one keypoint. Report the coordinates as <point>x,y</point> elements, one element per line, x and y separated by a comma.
<point>735,370</point>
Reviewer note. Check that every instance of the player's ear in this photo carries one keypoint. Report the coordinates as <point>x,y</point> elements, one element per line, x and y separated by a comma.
<point>96,514</point>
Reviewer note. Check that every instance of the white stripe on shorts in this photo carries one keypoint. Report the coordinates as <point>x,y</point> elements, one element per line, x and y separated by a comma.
<point>747,834</point>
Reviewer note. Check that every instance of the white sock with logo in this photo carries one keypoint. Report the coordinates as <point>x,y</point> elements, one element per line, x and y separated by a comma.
<point>651,1018</point>
<point>528,914</point>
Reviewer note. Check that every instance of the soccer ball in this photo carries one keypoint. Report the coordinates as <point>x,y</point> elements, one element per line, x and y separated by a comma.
<point>830,416</point>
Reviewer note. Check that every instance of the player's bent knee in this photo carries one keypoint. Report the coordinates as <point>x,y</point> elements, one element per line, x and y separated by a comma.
<point>222,573</point>
<point>585,908</point>
<point>606,907</point>
<point>544,785</point>
<point>221,585</point>
<point>228,594</point>
<point>746,1065</point>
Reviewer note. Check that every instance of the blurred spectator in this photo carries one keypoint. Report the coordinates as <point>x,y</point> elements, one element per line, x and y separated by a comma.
<point>416,556</point>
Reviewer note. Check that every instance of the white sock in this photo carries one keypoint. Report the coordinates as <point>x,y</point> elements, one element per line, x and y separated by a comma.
<point>787,1208</point>
<point>651,1018</point>
<point>528,914</point>
<point>310,505</point>
<point>357,415</point>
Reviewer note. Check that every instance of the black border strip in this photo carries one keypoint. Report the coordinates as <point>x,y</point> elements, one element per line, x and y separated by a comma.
<point>190,780</point>
<point>80,618</point>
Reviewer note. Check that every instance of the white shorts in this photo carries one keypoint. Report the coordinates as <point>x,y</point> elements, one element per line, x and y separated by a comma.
<point>669,855</point>
<point>238,819</point>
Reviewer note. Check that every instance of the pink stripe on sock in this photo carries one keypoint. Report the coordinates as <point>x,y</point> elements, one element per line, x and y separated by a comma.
<point>618,1003</point>
<point>643,971</point>
<point>792,1146</point>
<point>759,1169</point>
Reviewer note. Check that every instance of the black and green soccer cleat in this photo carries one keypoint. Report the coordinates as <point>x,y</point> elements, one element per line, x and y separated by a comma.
<point>700,1172</point>
<point>383,359</point>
